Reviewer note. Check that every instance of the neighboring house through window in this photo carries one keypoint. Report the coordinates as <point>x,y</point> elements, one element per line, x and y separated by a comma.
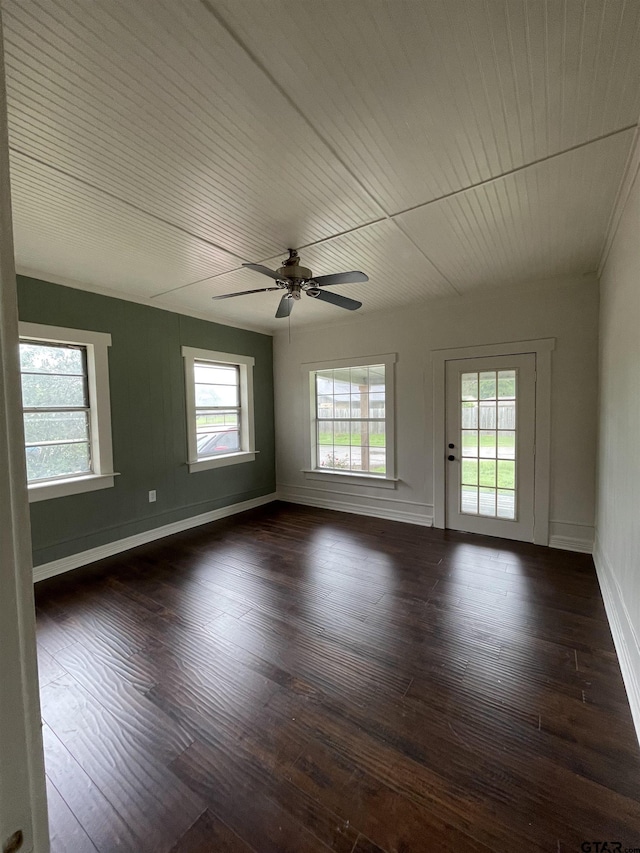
<point>220,422</point>
<point>66,410</point>
<point>352,429</point>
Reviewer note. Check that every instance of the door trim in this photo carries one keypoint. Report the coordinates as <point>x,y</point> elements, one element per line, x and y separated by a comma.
<point>542,348</point>
<point>520,526</point>
<point>23,802</point>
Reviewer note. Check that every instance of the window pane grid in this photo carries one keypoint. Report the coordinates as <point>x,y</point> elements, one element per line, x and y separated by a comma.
<point>43,411</point>
<point>36,479</point>
<point>217,386</point>
<point>217,409</point>
<point>52,391</point>
<point>51,359</point>
<point>55,442</point>
<point>56,410</point>
<point>209,411</point>
<point>488,443</point>
<point>350,419</point>
<point>50,373</point>
<point>359,420</point>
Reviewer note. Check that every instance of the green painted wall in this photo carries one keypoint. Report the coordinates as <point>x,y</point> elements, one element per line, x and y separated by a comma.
<point>146,375</point>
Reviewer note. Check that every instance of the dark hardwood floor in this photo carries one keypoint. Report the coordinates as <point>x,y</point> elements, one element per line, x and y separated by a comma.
<point>298,680</point>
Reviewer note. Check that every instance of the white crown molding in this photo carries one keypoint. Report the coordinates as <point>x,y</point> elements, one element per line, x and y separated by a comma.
<point>83,558</point>
<point>151,302</point>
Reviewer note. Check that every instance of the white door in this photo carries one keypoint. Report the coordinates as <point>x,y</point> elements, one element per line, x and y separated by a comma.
<point>490,445</point>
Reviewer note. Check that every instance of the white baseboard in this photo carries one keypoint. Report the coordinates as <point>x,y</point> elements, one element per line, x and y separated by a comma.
<point>571,543</point>
<point>83,558</point>
<point>571,536</point>
<point>624,635</point>
<point>391,509</point>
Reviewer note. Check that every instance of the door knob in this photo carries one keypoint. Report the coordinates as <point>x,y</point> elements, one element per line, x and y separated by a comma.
<point>451,446</point>
<point>451,457</point>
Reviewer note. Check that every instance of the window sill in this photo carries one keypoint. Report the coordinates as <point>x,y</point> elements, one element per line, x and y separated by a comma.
<point>70,486</point>
<point>222,461</point>
<point>376,480</point>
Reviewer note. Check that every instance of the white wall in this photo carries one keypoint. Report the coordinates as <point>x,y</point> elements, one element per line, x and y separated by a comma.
<point>617,552</point>
<point>565,309</point>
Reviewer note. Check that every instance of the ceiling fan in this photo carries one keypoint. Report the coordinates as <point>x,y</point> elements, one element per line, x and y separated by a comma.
<point>296,279</point>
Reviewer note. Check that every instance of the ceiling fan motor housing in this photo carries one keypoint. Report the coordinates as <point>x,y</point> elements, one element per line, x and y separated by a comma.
<point>295,272</point>
<point>291,268</point>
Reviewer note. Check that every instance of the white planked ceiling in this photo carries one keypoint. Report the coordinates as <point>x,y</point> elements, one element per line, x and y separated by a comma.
<point>444,147</point>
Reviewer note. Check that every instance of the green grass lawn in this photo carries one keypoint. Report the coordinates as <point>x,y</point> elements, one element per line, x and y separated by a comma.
<point>469,439</point>
<point>218,420</point>
<point>483,473</point>
<point>353,440</point>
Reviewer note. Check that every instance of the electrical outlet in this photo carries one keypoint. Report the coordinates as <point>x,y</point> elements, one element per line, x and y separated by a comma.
<point>152,496</point>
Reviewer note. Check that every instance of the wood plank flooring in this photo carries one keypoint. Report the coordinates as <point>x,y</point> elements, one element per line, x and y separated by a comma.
<point>296,680</point>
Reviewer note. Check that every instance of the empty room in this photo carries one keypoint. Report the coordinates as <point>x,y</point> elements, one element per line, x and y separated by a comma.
<point>319,458</point>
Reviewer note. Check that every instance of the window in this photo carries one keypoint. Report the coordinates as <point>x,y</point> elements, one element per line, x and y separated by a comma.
<point>55,399</point>
<point>66,410</point>
<point>352,418</point>
<point>219,392</point>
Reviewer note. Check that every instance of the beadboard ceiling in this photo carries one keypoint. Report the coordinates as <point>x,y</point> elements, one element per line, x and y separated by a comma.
<point>445,147</point>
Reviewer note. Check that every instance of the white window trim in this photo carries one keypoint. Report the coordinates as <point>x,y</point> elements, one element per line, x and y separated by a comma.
<point>386,481</point>
<point>247,427</point>
<point>97,345</point>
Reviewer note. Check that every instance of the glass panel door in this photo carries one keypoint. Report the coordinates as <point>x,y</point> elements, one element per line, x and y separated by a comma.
<point>490,436</point>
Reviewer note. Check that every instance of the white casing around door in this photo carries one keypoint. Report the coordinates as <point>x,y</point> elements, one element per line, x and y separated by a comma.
<point>490,482</point>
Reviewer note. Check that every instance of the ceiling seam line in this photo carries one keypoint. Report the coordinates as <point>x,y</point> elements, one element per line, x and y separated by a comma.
<point>263,260</point>
<point>355,228</point>
<point>292,103</point>
<point>392,217</point>
<point>128,204</point>
<point>180,228</point>
<point>629,176</point>
<point>515,171</point>
<point>424,255</point>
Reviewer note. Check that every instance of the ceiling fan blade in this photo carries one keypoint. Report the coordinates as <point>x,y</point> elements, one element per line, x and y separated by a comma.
<point>340,301</point>
<point>285,307</point>
<point>341,278</point>
<point>263,270</point>
<point>244,292</point>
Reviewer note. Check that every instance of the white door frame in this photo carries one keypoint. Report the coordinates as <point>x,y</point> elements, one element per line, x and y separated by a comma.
<point>23,805</point>
<point>542,348</point>
<point>520,527</point>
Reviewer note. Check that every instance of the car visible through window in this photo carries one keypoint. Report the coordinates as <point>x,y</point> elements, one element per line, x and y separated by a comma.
<point>218,442</point>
